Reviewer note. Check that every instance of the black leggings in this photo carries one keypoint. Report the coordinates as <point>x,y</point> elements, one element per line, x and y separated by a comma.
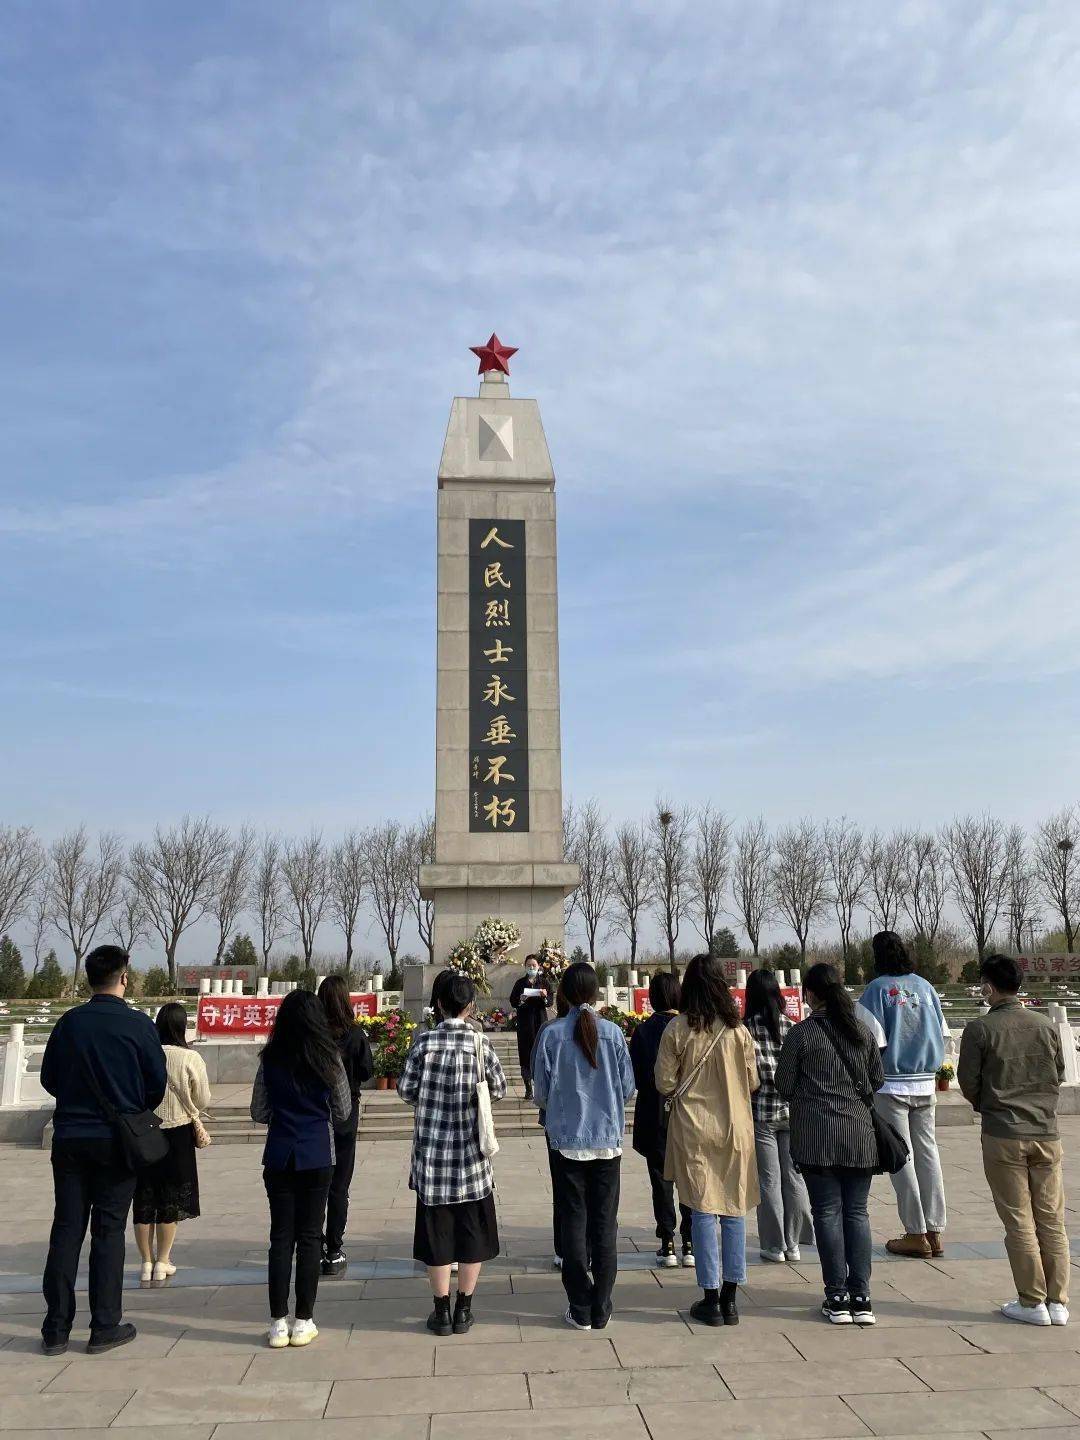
<point>297,1207</point>
<point>337,1204</point>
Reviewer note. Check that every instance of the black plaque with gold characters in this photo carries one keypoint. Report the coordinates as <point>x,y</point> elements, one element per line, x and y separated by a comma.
<point>498,678</point>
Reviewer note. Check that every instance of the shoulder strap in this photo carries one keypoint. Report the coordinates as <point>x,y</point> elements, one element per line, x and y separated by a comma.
<point>860,1090</point>
<point>681,1091</point>
<point>181,1098</point>
<point>481,1069</point>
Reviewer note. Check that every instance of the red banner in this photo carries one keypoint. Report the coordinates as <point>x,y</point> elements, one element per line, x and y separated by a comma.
<point>1050,966</point>
<point>254,1015</point>
<point>792,1001</point>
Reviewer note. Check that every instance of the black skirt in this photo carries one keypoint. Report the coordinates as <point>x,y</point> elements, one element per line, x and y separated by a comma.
<point>168,1192</point>
<point>468,1233</point>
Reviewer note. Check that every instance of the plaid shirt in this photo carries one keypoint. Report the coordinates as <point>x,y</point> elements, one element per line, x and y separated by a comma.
<point>768,1108</point>
<point>439,1079</point>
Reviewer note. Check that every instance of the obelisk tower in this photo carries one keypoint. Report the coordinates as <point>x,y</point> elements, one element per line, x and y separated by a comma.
<point>498,763</point>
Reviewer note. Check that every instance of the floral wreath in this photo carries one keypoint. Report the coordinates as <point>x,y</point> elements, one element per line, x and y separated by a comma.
<point>465,959</point>
<point>552,960</point>
<point>495,938</point>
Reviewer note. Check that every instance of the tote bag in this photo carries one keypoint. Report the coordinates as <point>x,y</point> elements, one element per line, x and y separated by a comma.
<point>485,1121</point>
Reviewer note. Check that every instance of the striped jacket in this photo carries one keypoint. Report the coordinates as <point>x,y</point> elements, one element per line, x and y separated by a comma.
<point>830,1123</point>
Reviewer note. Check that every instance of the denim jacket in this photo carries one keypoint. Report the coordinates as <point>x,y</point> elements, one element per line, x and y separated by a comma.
<point>585,1107</point>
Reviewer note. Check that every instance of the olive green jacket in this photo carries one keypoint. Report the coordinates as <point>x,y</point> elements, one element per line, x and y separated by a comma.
<point>1010,1069</point>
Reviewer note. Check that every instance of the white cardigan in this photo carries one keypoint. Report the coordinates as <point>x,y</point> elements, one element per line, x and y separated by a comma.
<point>187,1072</point>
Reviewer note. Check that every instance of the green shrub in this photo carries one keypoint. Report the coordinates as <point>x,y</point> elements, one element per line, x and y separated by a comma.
<point>48,983</point>
<point>156,982</point>
<point>12,974</point>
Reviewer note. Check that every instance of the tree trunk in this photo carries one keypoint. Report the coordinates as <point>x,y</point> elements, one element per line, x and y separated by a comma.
<point>633,944</point>
<point>170,960</point>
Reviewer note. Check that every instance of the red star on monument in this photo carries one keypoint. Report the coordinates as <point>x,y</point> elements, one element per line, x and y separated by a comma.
<point>494,355</point>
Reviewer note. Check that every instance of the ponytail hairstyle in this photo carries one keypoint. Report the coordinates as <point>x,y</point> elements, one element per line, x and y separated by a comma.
<point>764,1001</point>
<point>823,982</point>
<point>580,987</point>
<point>706,996</point>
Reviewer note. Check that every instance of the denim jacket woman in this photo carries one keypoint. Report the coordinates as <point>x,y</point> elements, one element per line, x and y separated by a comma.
<point>585,1107</point>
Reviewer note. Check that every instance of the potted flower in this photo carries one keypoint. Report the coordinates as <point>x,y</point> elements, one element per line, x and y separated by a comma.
<point>393,1050</point>
<point>944,1076</point>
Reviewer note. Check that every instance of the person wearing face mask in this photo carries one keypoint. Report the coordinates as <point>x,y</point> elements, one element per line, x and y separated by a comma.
<point>531,998</point>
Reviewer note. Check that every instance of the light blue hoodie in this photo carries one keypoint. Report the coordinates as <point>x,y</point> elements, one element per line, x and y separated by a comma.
<point>909,1011</point>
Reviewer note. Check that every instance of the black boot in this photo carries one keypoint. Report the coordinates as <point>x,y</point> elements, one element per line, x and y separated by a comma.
<point>707,1311</point>
<point>439,1321</point>
<point>463,1316</point>
<point>528,1090</point>
<point>728,1308</point>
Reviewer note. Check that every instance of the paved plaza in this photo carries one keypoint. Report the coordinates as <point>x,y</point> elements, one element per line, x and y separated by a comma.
<point>939,1361</point>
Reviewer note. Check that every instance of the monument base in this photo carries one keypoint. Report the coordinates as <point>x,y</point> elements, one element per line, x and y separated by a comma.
<point>531,896</point>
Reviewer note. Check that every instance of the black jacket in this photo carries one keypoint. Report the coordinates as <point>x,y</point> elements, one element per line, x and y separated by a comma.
<point>357,1058</point>
<point>121,1047</point>
<point>650,1128</point>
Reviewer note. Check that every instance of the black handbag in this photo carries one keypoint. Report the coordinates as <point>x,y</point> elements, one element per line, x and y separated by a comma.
<point>140,1137</point>
<point>892,1148</point>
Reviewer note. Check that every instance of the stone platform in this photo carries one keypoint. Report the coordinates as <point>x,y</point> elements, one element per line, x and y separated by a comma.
<point>940,1361</point>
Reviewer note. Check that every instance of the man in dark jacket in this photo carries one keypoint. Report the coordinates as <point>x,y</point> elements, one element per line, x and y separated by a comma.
<point>1011,1067</point>
<point>650,1119</point>
<point>102,1045</point>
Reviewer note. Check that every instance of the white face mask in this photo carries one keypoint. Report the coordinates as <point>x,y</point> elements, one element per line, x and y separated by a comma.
<point>532,974</point>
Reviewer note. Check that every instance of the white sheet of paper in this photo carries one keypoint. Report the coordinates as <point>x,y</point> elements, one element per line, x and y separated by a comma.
<point>528,994</point>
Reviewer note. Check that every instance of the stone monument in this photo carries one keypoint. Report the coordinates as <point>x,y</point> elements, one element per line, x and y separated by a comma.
<point>498,758</point>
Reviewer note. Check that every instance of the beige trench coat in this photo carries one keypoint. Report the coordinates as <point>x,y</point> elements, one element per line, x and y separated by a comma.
<point>710,1143</point>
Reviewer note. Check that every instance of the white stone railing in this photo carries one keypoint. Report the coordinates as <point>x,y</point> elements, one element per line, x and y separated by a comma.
<point>18,1087</point>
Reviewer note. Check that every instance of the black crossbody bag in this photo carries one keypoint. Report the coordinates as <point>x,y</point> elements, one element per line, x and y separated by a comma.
<point>140,1136</point>
<point>891,1146</point>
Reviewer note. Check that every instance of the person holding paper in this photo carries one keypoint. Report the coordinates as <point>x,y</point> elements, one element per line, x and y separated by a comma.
<point>531,998</point>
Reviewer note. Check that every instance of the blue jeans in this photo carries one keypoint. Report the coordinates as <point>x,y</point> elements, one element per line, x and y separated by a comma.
<point>841,1228</point>
<point>713,1235</point>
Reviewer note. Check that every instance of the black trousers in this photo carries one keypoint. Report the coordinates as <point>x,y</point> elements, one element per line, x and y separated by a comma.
<point>663,1201</point>
<point>337,1201</point>
<point>92,1186</point>
<point>297,1208</point>
<point>587,1200</point>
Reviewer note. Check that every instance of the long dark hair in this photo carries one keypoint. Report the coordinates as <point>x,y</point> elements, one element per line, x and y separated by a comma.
<point>764,1001</point>
<point>442,979</point>
<point>706,997</point>
<point>301,1042</point>
<point>171,1022</point>
<point>581,987</point>
<point>334,999</point>
<point>664,991</point>
<point>823,982</point>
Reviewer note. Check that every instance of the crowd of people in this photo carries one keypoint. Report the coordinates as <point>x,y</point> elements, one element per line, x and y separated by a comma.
<point>733,1112</point>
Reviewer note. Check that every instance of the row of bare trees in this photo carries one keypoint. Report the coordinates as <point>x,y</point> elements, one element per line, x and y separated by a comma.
<point>683,866</point>
<point>86,889</point>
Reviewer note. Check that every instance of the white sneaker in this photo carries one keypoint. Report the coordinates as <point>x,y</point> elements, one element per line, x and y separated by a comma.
<point>556,1262</point>
<point>774,1257</point>
<point>1026,1314</point>
<point>574,1324</point>
<point>454,1267</point>
<point>277,1337</point>
<point>1059,1314</point>
<point>146,1274</point>
<point>303,1332</point>
<point>793,1256</point>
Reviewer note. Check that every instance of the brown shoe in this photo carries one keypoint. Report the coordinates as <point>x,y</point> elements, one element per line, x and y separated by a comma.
<point>915,1247</point>
<point>937,1249</point>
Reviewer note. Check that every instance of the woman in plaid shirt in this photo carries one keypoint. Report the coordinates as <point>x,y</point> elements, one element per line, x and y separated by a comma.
<point>455,1206</point>
<point>783,1216</point>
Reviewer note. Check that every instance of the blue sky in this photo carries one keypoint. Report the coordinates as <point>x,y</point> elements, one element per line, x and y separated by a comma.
<point>795,286</point>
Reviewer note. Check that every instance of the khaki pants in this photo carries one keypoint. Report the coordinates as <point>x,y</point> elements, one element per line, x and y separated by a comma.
<point>1025,1180</point>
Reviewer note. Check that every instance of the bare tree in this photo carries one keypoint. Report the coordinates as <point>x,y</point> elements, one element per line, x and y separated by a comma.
<point>885,866</point>
<point>306,873</point>
<point>1057,867</point>
<point>569,840</point>
<point>669,844</point>
<point>800,877</point>
<point>175,874</point>
<point>925,884</point>
<point>975,848</point>
<point>41,922</point>
<point>82,887</point>
<point>230,895</point>
<point>847,874</point>
<point>631,882</point>
<point>1021,887</point>
<point>267,897</point>
<point>592,855</point>
<point>751,879</point>
<point>388,860</point>
<point>348,880</point>
<point>421,843</point>
<point>710,863</point>
<point>22,862</point>
<point>131,919</point>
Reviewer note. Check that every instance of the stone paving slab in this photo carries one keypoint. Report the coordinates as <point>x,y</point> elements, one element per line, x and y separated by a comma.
<point>937,1414</point>
<point>812,1417</point>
